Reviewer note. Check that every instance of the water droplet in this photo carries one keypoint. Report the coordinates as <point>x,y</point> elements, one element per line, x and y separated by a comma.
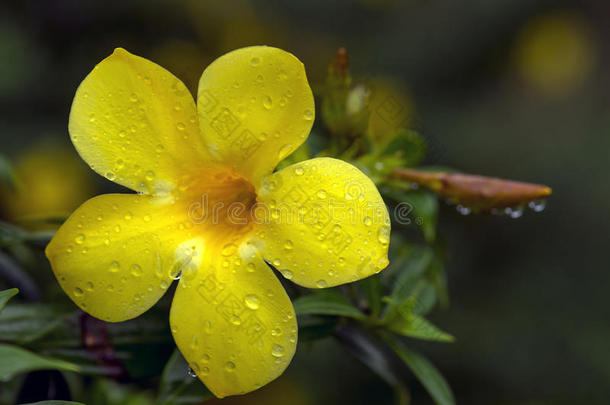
<point>191,373</point>
<point>368,221</point>
<point>136,270</point>
<point>288,245</point>
<point>537,205</point>
<point>383,234</point>
<point>181,126</point>
<point>236,320</point>
<point>78,292</point>
<point>250,267</point>
<point>308,115</point>
<point>80,238</point>
<point>229,249</point>
<point>89,286</point>
<point>230,366</point>
<point>321,194</point>
<point>146,218</point>
<point>462,209</point>
<point>252,301</point>
<point>164,285</point>
<point>114,267</point>
<point>514,212</point>
<point>128,216</point>
<point>321,284</point>
<point>122,133</point>
<point>150,175</point>
<point>267,103</point>
<point>276,332</point>
<point>177,107</point>
<point>277,351</point>
<point>110,176</point>
<point>284,151</point>
<point>287,274</point>
<point>276,262</point>
<point>92,117</point>
<point>133,98</point>
<point>255,61</point>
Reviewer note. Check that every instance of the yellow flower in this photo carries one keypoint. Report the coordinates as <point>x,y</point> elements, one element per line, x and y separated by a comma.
<point>210,208</point>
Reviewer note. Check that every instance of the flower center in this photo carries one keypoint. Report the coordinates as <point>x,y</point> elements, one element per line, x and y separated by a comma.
<point>222,204</point>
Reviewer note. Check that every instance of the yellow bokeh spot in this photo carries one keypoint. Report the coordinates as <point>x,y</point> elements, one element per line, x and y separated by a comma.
<point>51,181</point>
<point>389,109</point>
<point>555,53</point>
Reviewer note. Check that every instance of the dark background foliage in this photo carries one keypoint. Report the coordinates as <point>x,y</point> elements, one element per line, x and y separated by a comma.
<point>529,302</point>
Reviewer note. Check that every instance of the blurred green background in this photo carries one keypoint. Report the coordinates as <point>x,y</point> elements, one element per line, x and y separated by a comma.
<point>510,88</point>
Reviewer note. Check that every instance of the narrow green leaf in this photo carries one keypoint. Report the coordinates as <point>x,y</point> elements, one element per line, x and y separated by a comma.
<point>415,264</point>
<point>6,295</point>
<point>7,175</point>
<point>326,303</point>
<point>26,323</point>
<point>373,289</point>
<point>412,325</point>
<point>55,402</point>
<point>424,370</point>
<point>16,360</point>
<point>177,387</point>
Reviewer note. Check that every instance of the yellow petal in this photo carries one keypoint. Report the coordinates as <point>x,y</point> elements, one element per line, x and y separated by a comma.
<point>255,108</point>
<point>135,123</point>
<point>117,254</point>
<point>324,223</point>
<point>233,322</point>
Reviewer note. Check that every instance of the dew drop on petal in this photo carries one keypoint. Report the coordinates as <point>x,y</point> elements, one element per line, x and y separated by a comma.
<point>277,351</point>
<point>383,234</point>
<point>114,267</point>
<point>80,238</point>
<point>136,270</point>
<point>252,301</point>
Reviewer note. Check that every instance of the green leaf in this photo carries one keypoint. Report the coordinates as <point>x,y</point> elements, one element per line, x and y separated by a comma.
<point>7,175</point>
<point>412,325</point>
<point>408,145</point>
<point>414,263</point>
<point>370,351</point>
<point>424,370</point>
<point>54,402</point>
<point>373,289</point>
<point>177,387</point>
<point>16,360</point>
<point>326,303</point>
<point>6,295</point>
<point>26,323</point>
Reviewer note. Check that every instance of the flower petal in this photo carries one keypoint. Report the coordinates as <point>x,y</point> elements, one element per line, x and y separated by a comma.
<point>135,123</point>
<point>234,323</point>
<point>255,108</point>
<point>325,223</point>
<point>117,254</point>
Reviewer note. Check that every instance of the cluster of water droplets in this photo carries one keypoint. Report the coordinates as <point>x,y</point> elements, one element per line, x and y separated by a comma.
<point>511,212</point>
